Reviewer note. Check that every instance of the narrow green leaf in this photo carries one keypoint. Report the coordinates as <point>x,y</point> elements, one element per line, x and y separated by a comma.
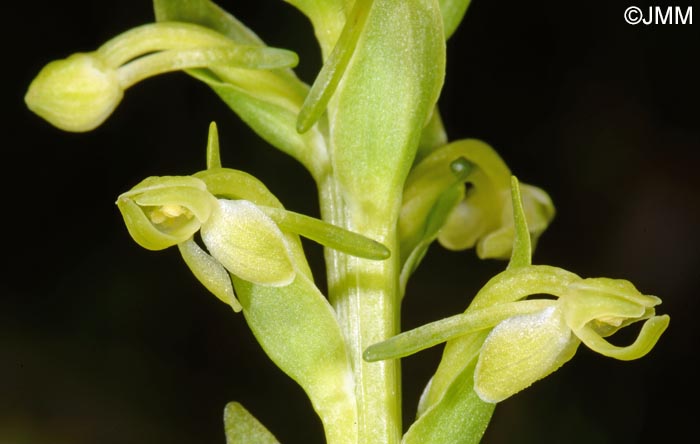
<point>242,428</point>
<point>297,328</point>
<point>459,417</point>
<point>522,246</point>
<point>333,69</point>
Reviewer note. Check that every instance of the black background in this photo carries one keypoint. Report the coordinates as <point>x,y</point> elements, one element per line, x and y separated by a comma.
<point>104,342</point>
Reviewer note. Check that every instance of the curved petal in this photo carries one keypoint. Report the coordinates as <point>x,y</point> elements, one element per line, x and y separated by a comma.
<point>197,202</point>
<point>648,336</point>
<point>141,227</point>
<point>163,211</point>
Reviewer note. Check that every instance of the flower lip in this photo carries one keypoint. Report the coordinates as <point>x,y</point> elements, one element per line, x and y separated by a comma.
<point>598,307</point>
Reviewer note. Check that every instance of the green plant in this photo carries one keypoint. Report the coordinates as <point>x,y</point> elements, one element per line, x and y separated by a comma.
<point>390,184</point>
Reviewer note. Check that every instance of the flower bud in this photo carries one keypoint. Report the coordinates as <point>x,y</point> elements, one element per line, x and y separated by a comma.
<point>75,94</point>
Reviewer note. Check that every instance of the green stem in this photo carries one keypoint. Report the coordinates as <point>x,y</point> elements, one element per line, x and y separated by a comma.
<point>365,296</point>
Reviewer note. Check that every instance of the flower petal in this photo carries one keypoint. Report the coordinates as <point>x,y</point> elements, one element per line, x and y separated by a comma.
<point>648,336</point>
<point>160,212</point>
<point>141,227</point>
<point>520,351</point>
<point>248,243</point>
<point>210,273</point>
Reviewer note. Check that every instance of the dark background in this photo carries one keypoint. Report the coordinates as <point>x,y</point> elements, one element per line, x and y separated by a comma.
<point>104,342</point>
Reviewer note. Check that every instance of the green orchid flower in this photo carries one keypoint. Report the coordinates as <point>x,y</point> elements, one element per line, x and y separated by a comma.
<point>459,194</point>
<point>507,339</point>
<point>248,240</point>
<point>531,338</point>
<point>527,347</point>
<point>161,212</point>
<point>484,218</point>
<point>80,92</point>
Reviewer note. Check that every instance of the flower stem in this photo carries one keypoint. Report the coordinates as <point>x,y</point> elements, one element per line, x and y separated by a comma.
<point>365,296</point>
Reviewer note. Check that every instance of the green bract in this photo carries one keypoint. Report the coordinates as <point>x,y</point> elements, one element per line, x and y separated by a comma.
<point>242,428</point>
<point>385,97</point>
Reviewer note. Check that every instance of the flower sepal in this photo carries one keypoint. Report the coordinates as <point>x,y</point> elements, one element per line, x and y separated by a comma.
<point>161,212</point>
